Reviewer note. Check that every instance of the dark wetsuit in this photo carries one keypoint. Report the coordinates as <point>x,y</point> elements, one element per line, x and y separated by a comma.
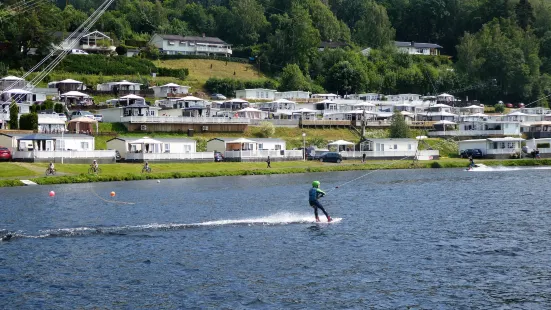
<point>314,195</point>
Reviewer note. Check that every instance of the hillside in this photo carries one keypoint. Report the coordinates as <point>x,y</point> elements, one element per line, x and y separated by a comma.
<point>200,70</point>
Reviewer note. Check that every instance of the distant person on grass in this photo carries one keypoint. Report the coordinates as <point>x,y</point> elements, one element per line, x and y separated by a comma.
<point>268,161</point>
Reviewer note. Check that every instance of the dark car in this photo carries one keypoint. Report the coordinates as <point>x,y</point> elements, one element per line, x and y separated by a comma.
<point>474,153</point>
<point>315,156</point>
<point>331,157</point>
<point>218,157</point>
<point>5,153</point>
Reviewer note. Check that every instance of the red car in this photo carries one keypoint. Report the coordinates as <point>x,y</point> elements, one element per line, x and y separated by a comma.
<point>5,153</point>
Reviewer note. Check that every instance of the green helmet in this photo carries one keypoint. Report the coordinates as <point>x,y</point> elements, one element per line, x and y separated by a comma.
<point>316,184</point>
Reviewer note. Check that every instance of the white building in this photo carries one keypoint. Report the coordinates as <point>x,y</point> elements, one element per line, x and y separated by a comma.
<point>403,97</point>
<point>325,96</point>
<point>67,85</point>
<point>69,148</point>
<point>493,147</point>
<point>256,94</point>
<point>93,42</point>
<point>9,82</point>
<point>242,149</point>
<point>123,87</point>
<point>51,123</point>
<point>292,95</point>
<point>189,45</point>
<point>393,148</point>
<point>170,145</point>
<point>414,48</point>
<point>170,90</point>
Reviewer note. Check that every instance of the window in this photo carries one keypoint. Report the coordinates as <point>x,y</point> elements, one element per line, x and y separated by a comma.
<point>510,145</point>
<point>395,146</point>
<point>167,147</point>
<point>502,145</point>
<point>409,147</point>
<point>170,42</point>
<point>260,146</point>
<point>84,145</point>
<point>187,148</point>
<point>278,147</point>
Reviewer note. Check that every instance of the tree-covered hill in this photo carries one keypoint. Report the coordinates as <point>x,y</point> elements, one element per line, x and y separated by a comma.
<point>505,40</point>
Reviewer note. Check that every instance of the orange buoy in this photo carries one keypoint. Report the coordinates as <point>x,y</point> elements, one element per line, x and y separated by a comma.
<point>112,194</point>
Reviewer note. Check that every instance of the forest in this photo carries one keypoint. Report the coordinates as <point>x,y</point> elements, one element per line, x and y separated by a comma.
<point>492,49</point>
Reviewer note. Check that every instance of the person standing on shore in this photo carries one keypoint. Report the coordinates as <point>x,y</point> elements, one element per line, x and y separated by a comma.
<point>268,161</point>
<point>363,158</point>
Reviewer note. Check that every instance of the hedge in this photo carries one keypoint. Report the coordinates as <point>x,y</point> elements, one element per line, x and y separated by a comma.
<point>117,65</point>
<point>28,121</point>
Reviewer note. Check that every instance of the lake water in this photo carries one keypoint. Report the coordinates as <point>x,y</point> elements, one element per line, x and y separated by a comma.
<point>419,239</point>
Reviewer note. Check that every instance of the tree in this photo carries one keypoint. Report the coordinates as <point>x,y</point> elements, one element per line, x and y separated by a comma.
<point>48,104</point>
<point>58,108</point>
<point>295,39</point>
<point>374,28</point>
<point>499,108</point>
<point>29,121</point>
<point>293,79</point>
<point>14,116</point>
<point>248,22</point>
<point>121,50</point>
<point>344,79</point>
<point>525,14</point>
<point>267,129</point>
<point>398,128</point>
<point>329,27</point>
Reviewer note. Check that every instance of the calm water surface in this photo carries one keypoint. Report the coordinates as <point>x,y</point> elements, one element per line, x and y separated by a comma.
<point>420,239</point>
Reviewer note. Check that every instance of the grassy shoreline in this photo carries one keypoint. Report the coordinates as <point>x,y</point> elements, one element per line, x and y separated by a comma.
<point>119,172</point>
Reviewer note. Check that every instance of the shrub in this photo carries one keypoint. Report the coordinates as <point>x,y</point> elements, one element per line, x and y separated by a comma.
<point>227,86</point>
<point>14,113</point>
<point>267,129</point>
<point>499,108</point>
<point>543,145</point>
<point>121,50</point>
<point>58,108</point>
<point>28,121</point>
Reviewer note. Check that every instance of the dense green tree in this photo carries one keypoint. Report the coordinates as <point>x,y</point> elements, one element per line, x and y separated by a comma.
<point>248,22</point>
<point>398,127</point>
<point>329,27</point>
<point>344,79</point>
<point>14,116</point>
<point>293,79</point>
<point>374,28</point>
<point>295,40</point>
<point>525,14</point>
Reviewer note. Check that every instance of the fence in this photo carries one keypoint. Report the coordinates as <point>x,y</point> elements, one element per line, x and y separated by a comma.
<point>184,120</point>
<point>169,156</point>
<point>469,133</point>
<point>106,154</point>
<point>276,122</point>
<point>386,154</point>
<point>264,154</point>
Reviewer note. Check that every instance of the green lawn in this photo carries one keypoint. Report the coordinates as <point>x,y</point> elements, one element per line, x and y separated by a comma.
<point>12,170</point>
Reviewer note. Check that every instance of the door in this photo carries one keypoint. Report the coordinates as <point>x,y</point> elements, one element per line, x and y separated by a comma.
<point>49,145</point>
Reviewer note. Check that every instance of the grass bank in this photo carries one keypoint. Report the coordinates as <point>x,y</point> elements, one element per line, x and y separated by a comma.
<point>200,70</point>
<point>74,173</point>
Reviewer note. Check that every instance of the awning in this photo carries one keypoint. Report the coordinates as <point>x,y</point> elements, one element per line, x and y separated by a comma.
<point>241,140</point>
<point>340,142</point>
<point>75,94</point>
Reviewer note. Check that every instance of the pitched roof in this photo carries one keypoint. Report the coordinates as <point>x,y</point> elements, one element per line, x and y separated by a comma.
<point>416,45</point>
<point>196,39</point>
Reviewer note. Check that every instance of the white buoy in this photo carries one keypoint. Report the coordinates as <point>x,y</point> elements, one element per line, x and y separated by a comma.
<point>158,181</point>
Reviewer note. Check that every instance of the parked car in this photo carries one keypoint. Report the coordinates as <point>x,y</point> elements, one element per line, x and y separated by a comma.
<point>509,105</point>
<point>331,157</point>
<point>76,114</point>
<point>218,157</point>
<point>474,153</point>
<point>98,117</point>
<point>62,116</point>
<point>5,153</point>
<point>218,97</point>
<point>316,156</point>
<point>78,52</point>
